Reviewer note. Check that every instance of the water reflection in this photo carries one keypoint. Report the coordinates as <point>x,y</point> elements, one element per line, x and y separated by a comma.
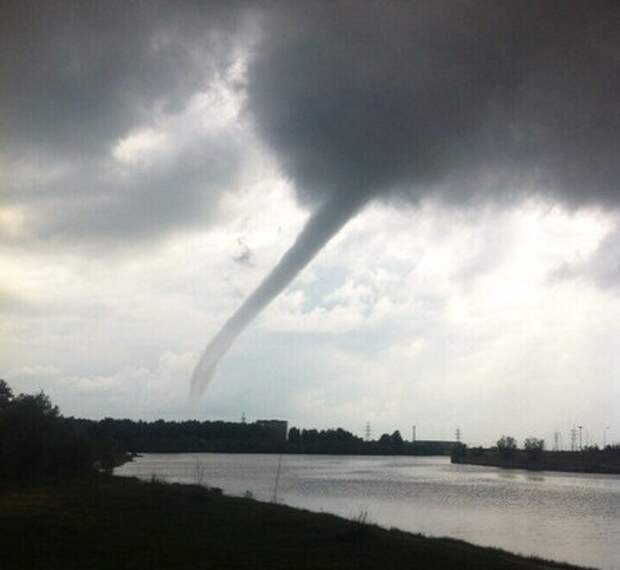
<point>571,517</point>
<point>534,477</point>
<point>505,474</point>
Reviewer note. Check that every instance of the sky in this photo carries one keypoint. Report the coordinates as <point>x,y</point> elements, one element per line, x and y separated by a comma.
<point>453,164</point>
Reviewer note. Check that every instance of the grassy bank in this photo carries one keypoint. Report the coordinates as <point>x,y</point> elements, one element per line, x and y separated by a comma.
<point>106,522</point>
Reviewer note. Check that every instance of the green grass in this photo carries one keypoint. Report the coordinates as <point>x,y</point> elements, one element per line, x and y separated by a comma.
<point>118,523</point>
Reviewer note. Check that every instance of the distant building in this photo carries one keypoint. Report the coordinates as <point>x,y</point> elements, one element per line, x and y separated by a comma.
<point>279,428</point>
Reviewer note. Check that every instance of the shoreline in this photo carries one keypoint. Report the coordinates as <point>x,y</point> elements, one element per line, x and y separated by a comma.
<point>121,522</point>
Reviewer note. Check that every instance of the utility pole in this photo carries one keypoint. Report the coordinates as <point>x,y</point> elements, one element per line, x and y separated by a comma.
<point>556,441</point>
<point>605,437</point>
<point>242,417</point>
<point>580,438</point>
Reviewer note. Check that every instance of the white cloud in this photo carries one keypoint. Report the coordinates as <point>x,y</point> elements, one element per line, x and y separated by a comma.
<point>139,146</point>
<point>40,370</point>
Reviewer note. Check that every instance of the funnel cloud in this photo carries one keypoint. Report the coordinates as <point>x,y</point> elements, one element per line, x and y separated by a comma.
<point>459,102</point>
<point>323,224</point>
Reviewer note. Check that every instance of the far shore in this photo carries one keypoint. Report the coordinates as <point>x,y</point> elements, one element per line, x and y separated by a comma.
<point>595,462</point>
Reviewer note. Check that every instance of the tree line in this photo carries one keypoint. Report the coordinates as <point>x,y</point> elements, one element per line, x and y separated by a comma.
<point>234,437</point>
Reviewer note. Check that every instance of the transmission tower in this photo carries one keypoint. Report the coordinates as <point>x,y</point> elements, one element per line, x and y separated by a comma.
<point>573,439</point>
<point>243,417</point>
<point>556,441</point>
<point>458,435</point>
<point>368,431</point>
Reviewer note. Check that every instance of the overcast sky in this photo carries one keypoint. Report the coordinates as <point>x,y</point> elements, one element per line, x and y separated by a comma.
<point>157,160</point>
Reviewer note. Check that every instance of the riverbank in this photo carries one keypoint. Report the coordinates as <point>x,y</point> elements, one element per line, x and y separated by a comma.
<point>112,522</point>
<point>602,462</point>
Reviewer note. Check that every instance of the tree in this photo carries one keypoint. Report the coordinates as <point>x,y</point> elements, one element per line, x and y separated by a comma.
<point>506,446</point>
<point>396,439</point>
<point>534,447</point>
<point>6,394</point>
<point>36,442</point>
<point>294,436</point>
<point>37,404</point>
<point>385,440</point>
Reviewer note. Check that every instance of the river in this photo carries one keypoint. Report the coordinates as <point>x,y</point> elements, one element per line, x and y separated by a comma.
<point>561,516</point>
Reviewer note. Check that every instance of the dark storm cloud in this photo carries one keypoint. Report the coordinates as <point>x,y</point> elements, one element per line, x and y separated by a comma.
<point>455,99</point>
<point>77,77</point>
<point>462,97</point>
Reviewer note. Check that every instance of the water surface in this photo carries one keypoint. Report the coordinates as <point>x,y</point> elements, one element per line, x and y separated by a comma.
<point>562,516</point>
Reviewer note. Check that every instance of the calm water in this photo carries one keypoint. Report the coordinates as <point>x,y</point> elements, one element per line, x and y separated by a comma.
<point>562,516</point>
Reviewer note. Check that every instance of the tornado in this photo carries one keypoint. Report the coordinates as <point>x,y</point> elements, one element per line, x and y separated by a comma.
<point>322,225</point>
<point>456,103</point>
